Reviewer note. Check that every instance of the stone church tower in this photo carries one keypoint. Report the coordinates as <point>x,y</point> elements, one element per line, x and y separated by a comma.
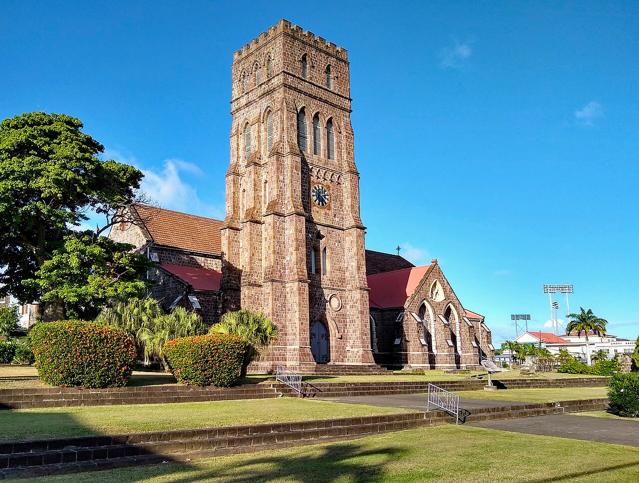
<point>293,240</point>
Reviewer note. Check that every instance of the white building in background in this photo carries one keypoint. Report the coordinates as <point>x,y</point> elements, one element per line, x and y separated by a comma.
<point>28,312</point>
<point>576,345</point>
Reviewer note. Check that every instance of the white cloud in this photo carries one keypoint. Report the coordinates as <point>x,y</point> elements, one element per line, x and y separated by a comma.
<point>168,188</point>
<point>455,56</point>
<point>412,253</point>
<point>588,114</point>
<point>503,272</point>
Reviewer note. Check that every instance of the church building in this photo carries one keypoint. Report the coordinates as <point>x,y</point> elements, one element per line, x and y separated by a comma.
<point>292,243</point>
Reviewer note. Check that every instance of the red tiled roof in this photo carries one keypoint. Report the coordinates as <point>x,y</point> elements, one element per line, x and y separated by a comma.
<point>473,315</point>
<point>378,262</point>
<point>548,337</point>
<point>199,278</point>
<point>181,230</point>
<point>392,289</point>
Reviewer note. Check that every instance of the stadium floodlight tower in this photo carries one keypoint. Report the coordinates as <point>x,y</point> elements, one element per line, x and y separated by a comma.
<point>551,289</point>
<point>516,317</point>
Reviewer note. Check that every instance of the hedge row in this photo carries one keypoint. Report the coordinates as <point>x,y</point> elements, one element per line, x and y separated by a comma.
<point>623,394</point>
<point>214,359</point>
<point>76,353</point>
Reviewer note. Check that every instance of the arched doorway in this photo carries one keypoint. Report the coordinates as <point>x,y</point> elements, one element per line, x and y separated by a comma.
<point>320,346</point>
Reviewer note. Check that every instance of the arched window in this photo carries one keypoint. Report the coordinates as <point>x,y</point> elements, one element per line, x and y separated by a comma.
<point>269,131</point>
<point>258,74</point>
<point>328,81</point>
<point>244,82</point>
<point>330,140</point>
<point>265,195</point>
<point>247,141</point>
<point>317,137</point>
<point>373,334</point>
<point>269,67</point>
<point>302,137</point>
<point>314,260</point>
<point>324,261</point>
<point>304,66</point>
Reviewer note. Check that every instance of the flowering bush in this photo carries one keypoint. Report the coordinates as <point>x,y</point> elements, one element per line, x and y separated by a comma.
<point>623,394</point>
<point>204,360</point>
<point>76,353</point>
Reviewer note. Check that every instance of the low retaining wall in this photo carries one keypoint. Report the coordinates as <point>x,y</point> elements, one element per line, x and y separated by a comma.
<point>66,396</point>
<point>21,398</point>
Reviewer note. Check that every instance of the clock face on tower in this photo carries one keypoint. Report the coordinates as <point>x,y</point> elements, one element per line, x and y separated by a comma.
<point>320,195</point>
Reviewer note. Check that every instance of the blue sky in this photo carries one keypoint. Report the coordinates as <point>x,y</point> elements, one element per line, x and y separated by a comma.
<point>501,138</point>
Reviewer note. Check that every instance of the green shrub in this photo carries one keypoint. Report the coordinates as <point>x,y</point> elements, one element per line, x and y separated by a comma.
<point>146,322</point>
<point>7,351</point>
<point>75,353</point>
<point>253,327</point>
<point>623,394</point>
<point>606,367</point>
<point>573,366</point>
<point>8,320</point>
<point>23,353</point>
<point>204,360</point>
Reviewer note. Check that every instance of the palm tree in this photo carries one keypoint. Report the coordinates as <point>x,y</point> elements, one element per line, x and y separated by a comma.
<point>179,323</point>
<point>255,328</point>
<point>585,321</point>
<point>146,322</point>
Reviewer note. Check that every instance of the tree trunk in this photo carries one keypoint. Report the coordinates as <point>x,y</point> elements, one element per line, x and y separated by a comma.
<point>53,311</point>
<point>588,361</point>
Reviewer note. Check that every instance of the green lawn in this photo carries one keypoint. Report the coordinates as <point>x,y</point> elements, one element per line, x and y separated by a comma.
<point>606,415</point>
<point>538,395</point>
<point>446,453</point>
<point>81,421</point>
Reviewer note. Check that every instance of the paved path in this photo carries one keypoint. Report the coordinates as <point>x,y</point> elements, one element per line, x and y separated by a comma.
<point>568,426</point>
<point>417,401</point>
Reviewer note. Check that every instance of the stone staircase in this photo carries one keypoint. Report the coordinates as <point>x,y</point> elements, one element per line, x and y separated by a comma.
<point>63,396</point>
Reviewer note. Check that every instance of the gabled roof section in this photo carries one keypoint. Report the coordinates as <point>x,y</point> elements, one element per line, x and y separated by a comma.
<point>473,315</point>
<point>390,290</point>
<point>548,337</point>
<point>199,278</point>
<point>378,262</point>
<point>181,230</point>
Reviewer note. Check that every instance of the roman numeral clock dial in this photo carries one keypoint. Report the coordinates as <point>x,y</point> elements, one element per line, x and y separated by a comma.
<point>320,195</point>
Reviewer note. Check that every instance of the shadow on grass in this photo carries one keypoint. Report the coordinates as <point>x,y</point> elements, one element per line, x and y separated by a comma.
<point>32,440</point>
<point>334,462</point>
<point>589,473</point>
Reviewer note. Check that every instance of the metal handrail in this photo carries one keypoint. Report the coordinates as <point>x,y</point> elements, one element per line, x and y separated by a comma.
<point>443,399</point>
<point>292,380</point>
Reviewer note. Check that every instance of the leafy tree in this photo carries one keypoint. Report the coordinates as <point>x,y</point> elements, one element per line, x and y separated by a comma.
<point>151,328</point>
<point>635,356</point>
<point>88,271</point>
<point>586,321</point>
<point>8,320</point>
<point>50,177</point>
<point>255,328</point>
<point>600,355</point>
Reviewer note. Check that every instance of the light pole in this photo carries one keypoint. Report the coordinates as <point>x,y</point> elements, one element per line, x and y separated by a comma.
<point>516,317</point>
<point>557,288</point>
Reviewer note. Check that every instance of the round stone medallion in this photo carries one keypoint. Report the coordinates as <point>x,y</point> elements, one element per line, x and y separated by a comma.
<point>334,302</point>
